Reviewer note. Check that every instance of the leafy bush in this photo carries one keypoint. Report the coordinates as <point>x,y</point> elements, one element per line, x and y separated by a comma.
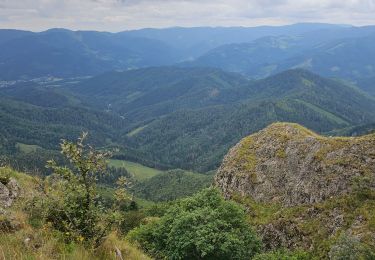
<point>204,226</point>
<point>4,175</point>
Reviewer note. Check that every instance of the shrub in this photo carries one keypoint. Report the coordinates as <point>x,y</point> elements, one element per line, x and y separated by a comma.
<point>73,205</point>
<point>204,226</point>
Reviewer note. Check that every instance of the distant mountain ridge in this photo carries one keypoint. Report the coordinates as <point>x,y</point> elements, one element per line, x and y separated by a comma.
<point>65,53</point>
<point>348,56</point>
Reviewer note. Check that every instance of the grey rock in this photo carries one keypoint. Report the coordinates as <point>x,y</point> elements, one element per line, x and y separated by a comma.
<point>14,188</point>
<point>8,193</point>
<point>5,199</point>
<point>290,165</point>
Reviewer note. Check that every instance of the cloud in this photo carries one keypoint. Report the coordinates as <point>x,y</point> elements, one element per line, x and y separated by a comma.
<point>117,15</point>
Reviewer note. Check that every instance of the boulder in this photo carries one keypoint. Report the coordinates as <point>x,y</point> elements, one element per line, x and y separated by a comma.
<point>9,192</point>
<point>290,165</point>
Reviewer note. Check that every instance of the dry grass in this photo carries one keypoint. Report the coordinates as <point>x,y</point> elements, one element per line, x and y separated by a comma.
<point>39,243</point>
<point>45,244</point>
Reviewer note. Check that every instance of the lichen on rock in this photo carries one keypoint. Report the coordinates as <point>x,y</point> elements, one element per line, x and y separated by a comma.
<point>289,164</point>
<point>302,190</point>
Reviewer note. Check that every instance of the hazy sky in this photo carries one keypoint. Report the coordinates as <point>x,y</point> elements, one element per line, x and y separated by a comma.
<point>118,15</point>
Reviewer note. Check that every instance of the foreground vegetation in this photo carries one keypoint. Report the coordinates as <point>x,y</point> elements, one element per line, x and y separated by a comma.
<point>68,216</point>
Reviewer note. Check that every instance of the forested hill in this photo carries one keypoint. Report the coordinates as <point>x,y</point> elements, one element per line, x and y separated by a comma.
<point>65,53</point>
<point>176,117</point>
<point>196,137</point>
<point>347,56</point>
<point>151,92</point>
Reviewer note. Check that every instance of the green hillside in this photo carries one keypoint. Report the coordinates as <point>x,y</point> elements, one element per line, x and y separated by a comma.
<point>198,139</point>
<point>141,95</point>
<point>172,185</point>
<point>172,117</point>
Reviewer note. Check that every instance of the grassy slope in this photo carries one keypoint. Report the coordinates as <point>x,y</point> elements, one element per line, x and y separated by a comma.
<point>46,243</point>
<point>139,171</point>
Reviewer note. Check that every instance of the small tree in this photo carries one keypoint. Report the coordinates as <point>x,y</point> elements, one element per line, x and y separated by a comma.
<point>204,226</point>
<point>74,207</point>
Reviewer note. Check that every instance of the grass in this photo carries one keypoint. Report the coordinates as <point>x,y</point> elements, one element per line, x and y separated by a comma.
<point>45,245</point>
<point>317,226</point>
<point>43,241</point>
<point>136,131</point>
<point>139,171</point>
<point>27,148</point>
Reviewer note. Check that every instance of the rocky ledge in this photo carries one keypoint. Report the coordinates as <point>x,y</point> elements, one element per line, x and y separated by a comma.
<point>290,165</point>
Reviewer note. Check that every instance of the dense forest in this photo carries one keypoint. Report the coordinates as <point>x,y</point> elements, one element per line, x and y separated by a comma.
<point>175,117</point>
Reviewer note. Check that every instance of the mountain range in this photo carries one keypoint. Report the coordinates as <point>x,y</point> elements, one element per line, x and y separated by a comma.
<point>177,117</point>
<point>180,97</point>
<point>349,57</point>
<point>256,52</point>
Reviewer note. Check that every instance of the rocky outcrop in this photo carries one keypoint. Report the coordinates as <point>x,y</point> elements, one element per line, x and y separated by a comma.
<point>8,192</point>
<point>288,164</point>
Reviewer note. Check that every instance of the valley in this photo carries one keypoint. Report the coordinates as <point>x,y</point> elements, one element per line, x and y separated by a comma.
<point>188,143</point>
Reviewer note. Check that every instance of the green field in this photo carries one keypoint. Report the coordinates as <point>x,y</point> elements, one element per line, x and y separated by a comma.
<point>27,148</point>
<point>139,171</point>
<point>136,131</point>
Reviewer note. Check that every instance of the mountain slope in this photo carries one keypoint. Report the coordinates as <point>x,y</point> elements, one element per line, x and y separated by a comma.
<point>46,126</point>
<point>351,58</point>
<point>367,85</point>
<point>148,93</point>
<point>179,117</point>
<point>197,139</point>
<point>347,53</point>
<point>255,59</point>
<point>196,41</point>
<point>64,53</point>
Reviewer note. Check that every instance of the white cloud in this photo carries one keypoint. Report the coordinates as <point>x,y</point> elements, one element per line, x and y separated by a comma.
<point>117,15</point>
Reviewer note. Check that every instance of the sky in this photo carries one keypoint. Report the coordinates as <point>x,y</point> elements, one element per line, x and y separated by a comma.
<point>120,15</point>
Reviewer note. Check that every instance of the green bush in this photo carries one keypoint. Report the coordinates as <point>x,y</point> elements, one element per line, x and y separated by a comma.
<point>204,226</point>
<point>131,220</point>
<point>4,175</point>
